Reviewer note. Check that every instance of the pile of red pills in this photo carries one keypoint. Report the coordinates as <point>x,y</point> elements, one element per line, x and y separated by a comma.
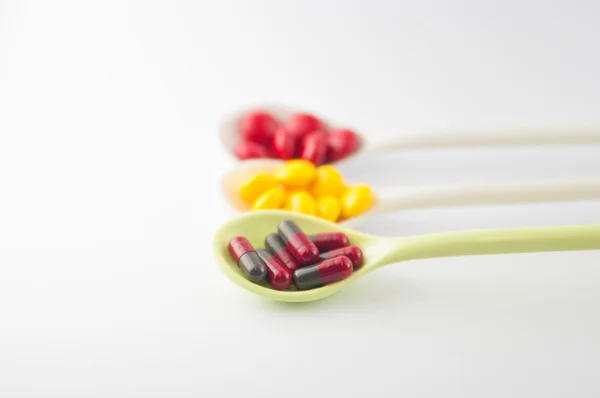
<point>294,258</point>
<point>301,136</point>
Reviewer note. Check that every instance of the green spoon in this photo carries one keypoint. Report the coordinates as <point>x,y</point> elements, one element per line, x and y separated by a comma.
<point>380,251</point>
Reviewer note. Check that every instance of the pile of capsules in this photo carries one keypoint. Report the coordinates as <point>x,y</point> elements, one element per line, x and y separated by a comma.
<point>301,136</point>
<point>301,187</point>
<point>291,256</point>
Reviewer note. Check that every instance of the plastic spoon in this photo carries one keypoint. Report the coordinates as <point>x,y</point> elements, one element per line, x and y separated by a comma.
<point>394,199</point>
<point>380,251</point>
<point>230,136</point>
<point>480,195</point>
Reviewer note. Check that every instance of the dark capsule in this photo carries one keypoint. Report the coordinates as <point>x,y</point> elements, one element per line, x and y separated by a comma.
<point>327,271</point>
<point>277,247</point>
<point>298,243</point>
<point>352,252</point>
<point>277,274</point>
<point>329,240</point>
<point>246,258</point>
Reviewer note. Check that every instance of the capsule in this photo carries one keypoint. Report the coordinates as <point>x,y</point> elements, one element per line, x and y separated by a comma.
<point>329,240</point>
<point>277,274</point>
<point>327,271</point>
<point>277,247</point>
<point>352,252</point>
<point>298,243</point>
<point>247,259</point>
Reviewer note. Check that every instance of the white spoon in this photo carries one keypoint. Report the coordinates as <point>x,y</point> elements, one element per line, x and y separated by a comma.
<point>230,135</point>
<point>403,198</point>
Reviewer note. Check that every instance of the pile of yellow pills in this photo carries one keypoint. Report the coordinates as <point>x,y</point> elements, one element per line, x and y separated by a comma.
<point>301,187</point>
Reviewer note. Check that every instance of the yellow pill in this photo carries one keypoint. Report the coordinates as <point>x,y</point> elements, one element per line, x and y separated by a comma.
<point>301,202</point>
<point>270,200</point>
<point>256,186</point>
<point>297,173</point>
<point>328,181</point>
<point>356,200</point>
<point>329,208</point>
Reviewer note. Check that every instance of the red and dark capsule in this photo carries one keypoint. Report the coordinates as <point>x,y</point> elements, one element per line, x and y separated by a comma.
<point>352,252</point>
<point>275,244</point>
<point>298,243</point>
<point>247,259</point>
<point>327,271</point>
<point>329,240</point>
<point>277,274</point>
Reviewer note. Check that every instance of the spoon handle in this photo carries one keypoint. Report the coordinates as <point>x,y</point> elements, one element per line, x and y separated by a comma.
<point>500,241</point>
<point>491,139</point>
<point>486,194</point>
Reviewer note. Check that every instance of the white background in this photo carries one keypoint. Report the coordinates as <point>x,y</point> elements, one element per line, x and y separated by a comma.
<point>108,198</point>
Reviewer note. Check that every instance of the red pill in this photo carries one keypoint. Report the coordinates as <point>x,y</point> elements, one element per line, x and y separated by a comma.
<point>298,243</point>
<point>250,150</point>
<point>284,144</point>
<point>329,240</point>
<point>302,124</point>
<point>314,148</point>
<point>341,143</point>
<point>258,127</point>
<point>277,274</point>
<point>327,271</point>
<point>277,247</point>
<point>247,259</point>
<point>352,252</point>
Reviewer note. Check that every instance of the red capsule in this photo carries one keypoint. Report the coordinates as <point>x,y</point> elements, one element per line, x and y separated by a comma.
<point>352,252</point>
<point>250,150</point>
<point>277,274</point>
<point>284,144</point>
<point>258,127</point>
<point>327,271</point>
<point>326,241</point>
<point>298,243</point>
<point>342,143</point>
<point>277,247</point>
<point>302,124</point>
<point>314,148</point>
<point>247,260</point>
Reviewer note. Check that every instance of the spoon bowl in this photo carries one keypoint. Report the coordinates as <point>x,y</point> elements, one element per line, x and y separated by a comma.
<point>229,128</point>
<point>232,180</point>
<point>380,251</point>
<point>255,226</point>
